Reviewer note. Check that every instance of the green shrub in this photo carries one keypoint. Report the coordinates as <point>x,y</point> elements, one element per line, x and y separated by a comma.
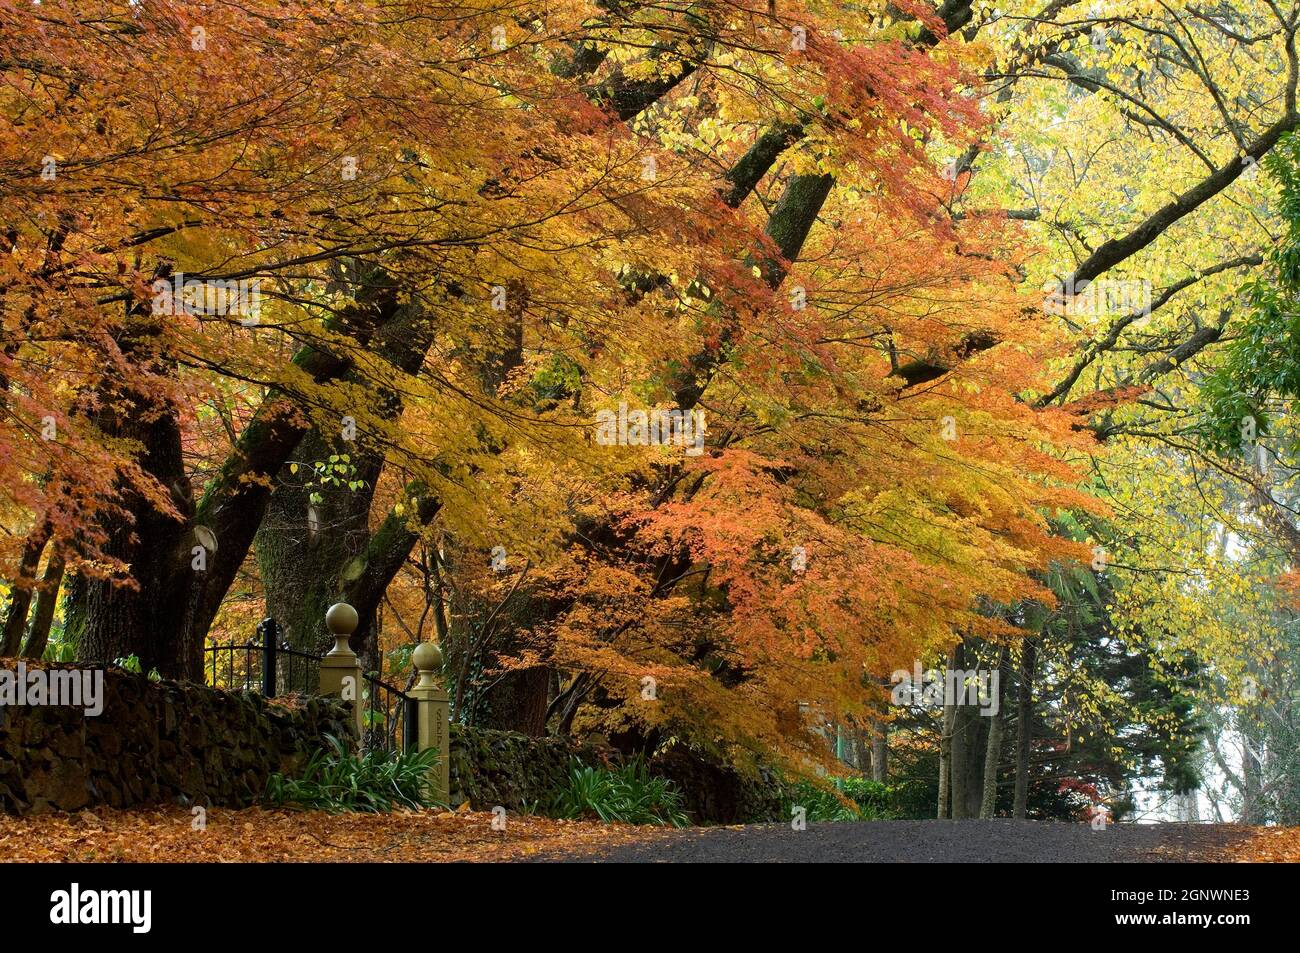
<point>131,663</point>
<point>338,781</point>
<point>872,797</point>
<point>820,803</point>
<point>629,794</point>
<point>858,799</point>
<point>59,652</point>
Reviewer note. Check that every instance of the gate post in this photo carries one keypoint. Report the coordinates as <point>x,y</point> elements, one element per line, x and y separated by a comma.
<point>340,669</point>
<point>433,721</point>
<point>270,632</point>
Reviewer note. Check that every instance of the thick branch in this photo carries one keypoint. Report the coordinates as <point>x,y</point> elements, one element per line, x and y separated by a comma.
<point>1100,346</point>
<point>1118,250</point>
<point>743,177</point>
<point>921,371</point>
<point>386,552</point>
<point>792,219</point>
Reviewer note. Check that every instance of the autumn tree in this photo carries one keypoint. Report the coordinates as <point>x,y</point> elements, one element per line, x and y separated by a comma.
<point>319,193</point>
<point>823,232</point>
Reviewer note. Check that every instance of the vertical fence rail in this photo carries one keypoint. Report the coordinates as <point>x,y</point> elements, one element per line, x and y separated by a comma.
<point>411,734</point>
<point>270,633</point>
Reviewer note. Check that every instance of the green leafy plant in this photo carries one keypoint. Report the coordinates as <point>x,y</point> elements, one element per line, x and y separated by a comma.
<point>60,652</point>
<point>338,781</point>
<point>131,663</point>
<point>1260,366</point>
<point>851,799</point>
<point>875,799</point>
<point>627,794</point>
<point>338,471</point>
<point>821,803</point>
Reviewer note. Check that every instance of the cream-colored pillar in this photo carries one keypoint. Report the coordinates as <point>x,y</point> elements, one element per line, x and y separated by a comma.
<point>434,721</point>
<point>340,670</point>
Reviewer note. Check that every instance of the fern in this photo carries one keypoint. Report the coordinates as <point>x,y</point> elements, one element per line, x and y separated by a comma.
<point>338,781</point>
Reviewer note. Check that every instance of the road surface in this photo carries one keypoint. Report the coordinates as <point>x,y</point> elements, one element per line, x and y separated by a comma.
<point>997,841</point>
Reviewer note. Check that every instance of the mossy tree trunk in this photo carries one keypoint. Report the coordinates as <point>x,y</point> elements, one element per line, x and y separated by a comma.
<point>165,615</point>
<point>316,546</point>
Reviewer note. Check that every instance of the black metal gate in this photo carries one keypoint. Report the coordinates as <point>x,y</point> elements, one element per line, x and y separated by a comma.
<point>268,665</point>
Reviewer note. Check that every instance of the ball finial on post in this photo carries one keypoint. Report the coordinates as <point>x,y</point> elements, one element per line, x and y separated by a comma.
<point>340,669</point>
<point>341,619</point>
<point>427,659</point>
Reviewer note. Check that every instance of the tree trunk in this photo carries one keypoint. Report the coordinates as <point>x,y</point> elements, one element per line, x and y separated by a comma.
<point>108,620</point>
<point>306,550</point>
<point>993,751</point>
<point>20,595</point>
<point>945,740</point>
<point>182,565</point>
<point>1252,806</point>
<point>311,553</point>
<point>879,750</point>
<point>47,600</point>
<point>1024,727</point>
<point>518,702</point>
<point>969,736</point>
<point>960,742</point>
<point>964,762</point>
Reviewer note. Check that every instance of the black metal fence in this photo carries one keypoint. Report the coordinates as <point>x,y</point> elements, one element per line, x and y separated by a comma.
<point>388,717</point>
<point>268,665</point>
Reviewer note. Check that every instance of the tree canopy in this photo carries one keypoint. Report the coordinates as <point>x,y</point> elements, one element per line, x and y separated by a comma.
<point>684,369</point>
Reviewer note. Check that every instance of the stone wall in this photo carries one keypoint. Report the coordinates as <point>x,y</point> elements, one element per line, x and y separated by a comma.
<point>717,793</point>
<point>156,742</point>
<point>490,768</point>
<point>178,742</point>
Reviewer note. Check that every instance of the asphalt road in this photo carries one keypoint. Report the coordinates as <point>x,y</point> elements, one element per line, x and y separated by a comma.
<point>996,841</point>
